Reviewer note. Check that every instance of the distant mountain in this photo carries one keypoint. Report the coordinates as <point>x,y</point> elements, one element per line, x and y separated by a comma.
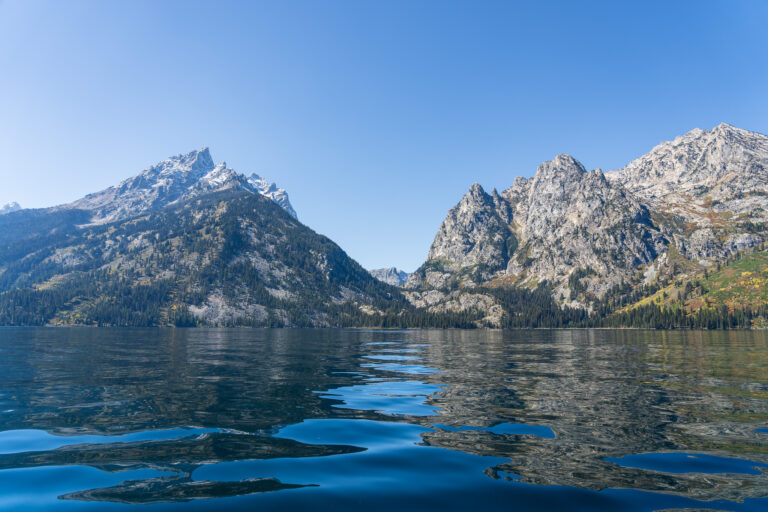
<point>390,275</point>
<point>595,239</point>
<point>10,207</point>
<point>185,242</point>
<point>174,180</point>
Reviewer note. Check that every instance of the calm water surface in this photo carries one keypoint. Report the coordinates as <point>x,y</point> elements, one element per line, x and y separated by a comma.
<point>102,419</point>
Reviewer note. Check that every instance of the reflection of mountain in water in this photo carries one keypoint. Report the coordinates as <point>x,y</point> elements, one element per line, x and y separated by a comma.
<point>607,394</point>
<point>188,402</point>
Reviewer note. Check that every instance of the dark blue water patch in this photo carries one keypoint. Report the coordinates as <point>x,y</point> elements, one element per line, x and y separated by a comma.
<point>688,463</point>
<point>16,441</point>
<point>394,398</point>
<point>414,369</point>
<point>765,430</point>
<point>393,458</point>
<point>520,429</point>
<point>39,488</point>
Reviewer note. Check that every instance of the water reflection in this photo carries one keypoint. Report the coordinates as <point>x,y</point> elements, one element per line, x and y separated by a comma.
<point>576,419</point>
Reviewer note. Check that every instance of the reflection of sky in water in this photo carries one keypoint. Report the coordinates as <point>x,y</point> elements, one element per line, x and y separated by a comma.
<point>15,441</point>
<point>395,398</point>
<point>520,429</point>
<point>688,463</point>
<point>415,369</point>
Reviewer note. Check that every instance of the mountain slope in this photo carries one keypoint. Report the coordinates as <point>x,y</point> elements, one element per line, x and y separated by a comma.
<point>184,243</point>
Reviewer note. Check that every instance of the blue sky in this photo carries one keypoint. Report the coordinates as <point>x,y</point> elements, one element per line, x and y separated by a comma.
<point>375,116</point>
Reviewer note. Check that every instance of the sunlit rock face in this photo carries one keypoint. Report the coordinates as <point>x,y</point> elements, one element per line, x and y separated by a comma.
<point>714,183</point>
<point>585,233</point>
<point>171,181</point>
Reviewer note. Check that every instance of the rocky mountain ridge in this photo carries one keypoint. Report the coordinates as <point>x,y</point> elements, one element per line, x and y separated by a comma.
<point>174,180</point>
<point>391,275</point>
<point>681,208</point>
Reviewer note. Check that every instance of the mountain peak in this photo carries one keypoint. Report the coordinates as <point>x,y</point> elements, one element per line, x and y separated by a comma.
<point>194,160</point>
<point>476,191</point>
<point>562,167</point>
<point>10,207</point>
<point>174,179</point>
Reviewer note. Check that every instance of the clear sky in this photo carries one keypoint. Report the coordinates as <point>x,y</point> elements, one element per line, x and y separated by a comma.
<point>375,116</point>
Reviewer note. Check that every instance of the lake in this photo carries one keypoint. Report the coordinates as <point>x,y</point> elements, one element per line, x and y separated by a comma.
<point>228,419</point>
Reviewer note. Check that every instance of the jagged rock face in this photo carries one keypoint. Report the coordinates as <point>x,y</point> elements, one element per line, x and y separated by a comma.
<point>278,195</point>
<point>474,239</point>
<point>544,228</point>
<point>721,163</point>
<point>154,187</point>
<point>171,181</point>
<point>706,193</point>
<point>713,182</point>
<point>390,275</point>
<point>10,207</point>
<point>567,218</point>
<point>472,234</point>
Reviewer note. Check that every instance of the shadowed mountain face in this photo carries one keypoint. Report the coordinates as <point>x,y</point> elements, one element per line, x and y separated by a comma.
<point>185,242</point>
<point>702,198</point>
<point>620,420</point>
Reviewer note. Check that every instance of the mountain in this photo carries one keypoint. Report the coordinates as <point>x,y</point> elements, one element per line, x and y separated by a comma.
<point>390,276</point>
<point>10,207</point>
<point>677,238</point>
<point>185,242</point>
<point>176,179</point>
<point>592,239</point>
<point>712,185</point>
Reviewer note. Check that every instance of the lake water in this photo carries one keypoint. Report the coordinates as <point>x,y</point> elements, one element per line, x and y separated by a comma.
<point>209,419</point>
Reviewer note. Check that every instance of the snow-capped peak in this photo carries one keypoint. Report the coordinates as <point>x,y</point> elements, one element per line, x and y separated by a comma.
<point>10,207</point>
<point>174,179</point>
<point>270,190</point>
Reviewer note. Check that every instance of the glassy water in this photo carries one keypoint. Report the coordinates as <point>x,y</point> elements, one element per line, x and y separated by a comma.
<point>101,419</point>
